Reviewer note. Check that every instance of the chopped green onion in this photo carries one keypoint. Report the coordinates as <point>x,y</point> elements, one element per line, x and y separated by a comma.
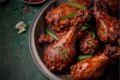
<point>82,57</point>
<point>93,34</point>
<point>83,28</point>
<point>79,6</point>
<point>90,42</point>
<point>69,15</point>
<point>52,34</point>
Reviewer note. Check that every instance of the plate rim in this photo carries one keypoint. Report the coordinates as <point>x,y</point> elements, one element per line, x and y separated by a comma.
<point>33,48</point>
<point>33,2</point>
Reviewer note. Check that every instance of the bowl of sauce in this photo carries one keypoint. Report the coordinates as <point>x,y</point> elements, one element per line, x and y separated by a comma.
<point>33,1</point>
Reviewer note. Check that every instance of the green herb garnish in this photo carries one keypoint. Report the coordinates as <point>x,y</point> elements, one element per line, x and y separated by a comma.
<point>93,34</point>
<point>79,6</point>
<point>82,57</point>
<point>63,52</point>
<point>52,34</point>
<point>90,42</point>
<point>69,16</point>
<point>83,28</point>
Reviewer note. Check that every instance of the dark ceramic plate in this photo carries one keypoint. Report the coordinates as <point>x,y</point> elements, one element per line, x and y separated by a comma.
<point>38,27</point>
<point>32,2</point>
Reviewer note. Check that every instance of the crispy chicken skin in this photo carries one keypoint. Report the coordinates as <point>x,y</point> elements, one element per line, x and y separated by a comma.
<point>93,68</point>
<point>107,26</point>
<point>54,17</point>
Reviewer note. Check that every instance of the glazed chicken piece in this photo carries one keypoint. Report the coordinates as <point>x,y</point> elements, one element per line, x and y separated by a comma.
<point>45,38</point>
<point>107,26</point>
<point>100,5</point>
<point>61,53</point>
<point>93,68</point>
<point>54,17</point>
<point>88,44</point>
<point>109,6</point>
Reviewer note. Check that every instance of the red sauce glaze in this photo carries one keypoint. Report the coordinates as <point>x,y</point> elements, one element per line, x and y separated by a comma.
<point>33,0</point>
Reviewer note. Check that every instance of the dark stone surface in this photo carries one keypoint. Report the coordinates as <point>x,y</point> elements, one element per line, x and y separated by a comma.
<point>16,62</point>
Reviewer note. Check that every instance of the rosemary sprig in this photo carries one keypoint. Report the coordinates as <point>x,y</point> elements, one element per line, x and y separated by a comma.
<point>79,6</point>
<point>90,42</point>
<point>63,52</point>
<point>69,16</point>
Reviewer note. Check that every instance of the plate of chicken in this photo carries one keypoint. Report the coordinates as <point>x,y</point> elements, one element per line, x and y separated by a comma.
<point>77,39</point>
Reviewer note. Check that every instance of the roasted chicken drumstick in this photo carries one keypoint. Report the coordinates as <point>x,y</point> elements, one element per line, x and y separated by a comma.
<point>107,26</point>
<point>61,53</point>
<point>54,17</point>
<point>93,68</point>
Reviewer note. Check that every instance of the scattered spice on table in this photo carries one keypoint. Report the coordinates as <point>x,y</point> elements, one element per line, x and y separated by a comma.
<point>26,9</point>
